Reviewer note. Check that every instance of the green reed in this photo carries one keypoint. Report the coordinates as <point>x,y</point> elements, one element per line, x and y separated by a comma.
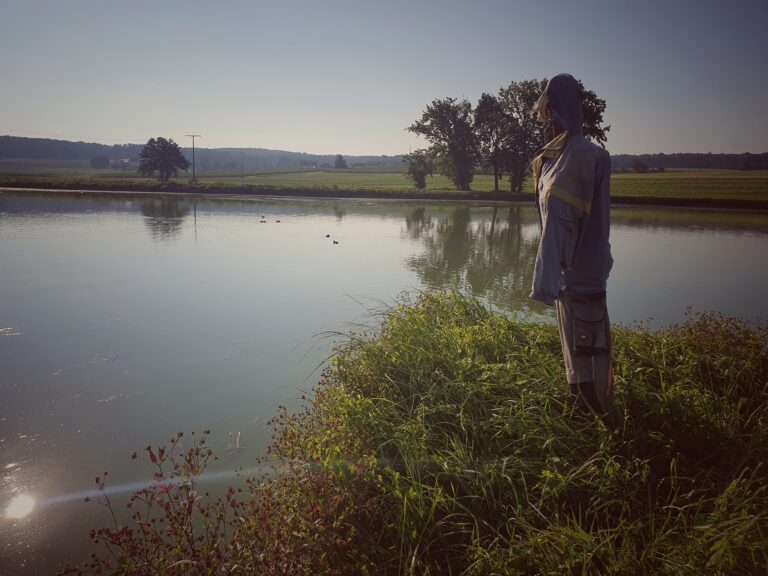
<point>489,467</point>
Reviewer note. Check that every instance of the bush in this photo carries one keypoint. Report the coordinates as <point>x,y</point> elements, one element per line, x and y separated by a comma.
<point>419,165</point>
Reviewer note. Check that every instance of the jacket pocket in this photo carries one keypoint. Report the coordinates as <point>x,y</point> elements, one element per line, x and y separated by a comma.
<point>589,322</point>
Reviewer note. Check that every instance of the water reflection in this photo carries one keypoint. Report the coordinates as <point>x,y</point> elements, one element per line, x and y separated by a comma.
<point>491,255</point>
<point>164,217</point>
<point>417,223</point>
<point>667,220</point>
<point>339,211</point>
<point>100,353</point>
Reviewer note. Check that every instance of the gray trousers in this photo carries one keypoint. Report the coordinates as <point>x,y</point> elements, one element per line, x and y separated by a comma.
<point>585,335</point>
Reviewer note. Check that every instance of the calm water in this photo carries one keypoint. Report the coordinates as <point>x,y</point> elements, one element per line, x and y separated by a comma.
<point>123,321</point>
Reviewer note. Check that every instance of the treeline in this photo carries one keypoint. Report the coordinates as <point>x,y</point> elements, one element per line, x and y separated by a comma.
<point>230,159</point>
<point>17,147</point>
<point>206,159</point>
<point>745,161</point>
<point>500,134</point>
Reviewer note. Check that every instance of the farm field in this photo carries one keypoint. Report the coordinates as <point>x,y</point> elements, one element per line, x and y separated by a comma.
<point>682,184</point>
<point>715,184</point>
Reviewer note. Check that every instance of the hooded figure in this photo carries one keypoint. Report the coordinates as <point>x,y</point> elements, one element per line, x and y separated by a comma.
<point>572,182</point>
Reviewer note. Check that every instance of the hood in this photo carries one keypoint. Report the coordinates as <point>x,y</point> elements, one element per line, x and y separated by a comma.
<point>562,93</point>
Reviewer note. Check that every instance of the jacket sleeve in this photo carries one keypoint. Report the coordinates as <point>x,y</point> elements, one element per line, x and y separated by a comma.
<point>557,245</point>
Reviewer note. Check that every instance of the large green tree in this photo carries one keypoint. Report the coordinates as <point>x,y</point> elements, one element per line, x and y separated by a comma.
<point>163,156</point>
<point>526,133</point>
<point>448,126</point>
<point>593,108</point>
<point>494,129</point>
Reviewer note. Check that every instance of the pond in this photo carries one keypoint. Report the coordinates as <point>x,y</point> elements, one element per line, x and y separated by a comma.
<point>124,319</point>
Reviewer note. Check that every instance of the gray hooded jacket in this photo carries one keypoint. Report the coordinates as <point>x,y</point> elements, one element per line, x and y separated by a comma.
<point>573,198</point>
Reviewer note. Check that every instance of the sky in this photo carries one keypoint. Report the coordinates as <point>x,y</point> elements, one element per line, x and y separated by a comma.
<point>349,76</point>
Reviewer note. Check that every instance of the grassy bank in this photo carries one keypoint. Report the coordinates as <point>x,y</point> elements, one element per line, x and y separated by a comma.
<point>446,445</point>
<point>713,187</point>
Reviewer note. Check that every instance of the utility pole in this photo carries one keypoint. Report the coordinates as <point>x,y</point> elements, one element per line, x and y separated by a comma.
<point>193,136</point>
<point>242,165</point>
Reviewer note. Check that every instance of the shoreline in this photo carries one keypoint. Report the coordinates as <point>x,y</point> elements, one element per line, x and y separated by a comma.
<point>225,192</point>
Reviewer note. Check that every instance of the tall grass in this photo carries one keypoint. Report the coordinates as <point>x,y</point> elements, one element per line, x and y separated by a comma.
<point>446,444</point>
<point>491,468</point>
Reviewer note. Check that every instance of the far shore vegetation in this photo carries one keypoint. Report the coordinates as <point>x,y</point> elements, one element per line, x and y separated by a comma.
<point>714,185</point>
<point>444,443</point>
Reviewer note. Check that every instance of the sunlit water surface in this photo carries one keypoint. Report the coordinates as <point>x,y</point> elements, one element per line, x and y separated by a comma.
<point>125,320</point>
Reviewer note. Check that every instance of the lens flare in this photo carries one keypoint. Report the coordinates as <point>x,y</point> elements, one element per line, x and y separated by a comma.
<point>20,506</point>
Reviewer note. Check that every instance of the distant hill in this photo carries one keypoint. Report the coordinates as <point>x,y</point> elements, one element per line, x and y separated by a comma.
<point>229,159</point>
<point>17,148</point>
<point>206,159</point>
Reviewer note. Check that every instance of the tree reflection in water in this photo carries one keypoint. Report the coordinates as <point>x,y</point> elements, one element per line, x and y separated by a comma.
<point>489,256</point>
<point>339,211</point>
<point>164,217</point>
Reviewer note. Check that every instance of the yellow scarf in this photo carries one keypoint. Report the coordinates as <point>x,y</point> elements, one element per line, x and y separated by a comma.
<point>552,149</point>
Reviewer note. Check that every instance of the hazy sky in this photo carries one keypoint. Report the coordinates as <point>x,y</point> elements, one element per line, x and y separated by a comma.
<point>338,76</point>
